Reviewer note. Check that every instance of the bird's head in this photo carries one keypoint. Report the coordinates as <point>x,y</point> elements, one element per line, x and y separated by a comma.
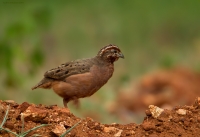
<point>110,53</point>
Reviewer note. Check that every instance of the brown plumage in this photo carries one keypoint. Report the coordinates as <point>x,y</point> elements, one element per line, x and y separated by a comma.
<point>81,78</point>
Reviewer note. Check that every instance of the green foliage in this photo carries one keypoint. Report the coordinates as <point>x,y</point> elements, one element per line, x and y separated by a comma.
<point>42,17</point>
<point>36,59</point>
<point>167,61</point>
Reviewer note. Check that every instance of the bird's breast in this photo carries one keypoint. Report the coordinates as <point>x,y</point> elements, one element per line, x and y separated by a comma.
<point>83,85</point>
<point>100,76</point>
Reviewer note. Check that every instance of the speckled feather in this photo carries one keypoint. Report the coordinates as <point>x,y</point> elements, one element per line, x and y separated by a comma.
<point>70,68</point>
<point>65,70</point>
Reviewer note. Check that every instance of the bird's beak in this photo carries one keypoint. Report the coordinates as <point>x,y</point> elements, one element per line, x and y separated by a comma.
<point>120,55</point>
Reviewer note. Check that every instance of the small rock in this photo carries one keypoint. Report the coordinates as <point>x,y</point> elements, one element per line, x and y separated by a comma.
<point>96,124</point>
<point>148,126</point>
<point>155,111</point>
<point>109,129</point>
<point>118,134</point>
<point>34,114</point>
<point>23,106</point>
<point>59,129</point>
<point>130,133</point>
<point>181,111</point>
<point>10,101</point>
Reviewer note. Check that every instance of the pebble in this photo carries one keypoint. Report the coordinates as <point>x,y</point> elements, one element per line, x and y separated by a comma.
<point>148,126</point>
<point>118,134</point>
<point>109,129</point>
<point>181,111</point>
<point>59,129</point>
<point>155,111</point>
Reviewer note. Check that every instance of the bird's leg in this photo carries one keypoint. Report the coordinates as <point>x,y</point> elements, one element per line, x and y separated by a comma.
<point>65,101</point>
<point>76,102</point>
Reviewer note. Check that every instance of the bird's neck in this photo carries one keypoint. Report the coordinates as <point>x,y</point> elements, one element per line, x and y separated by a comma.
<point>105,60</point>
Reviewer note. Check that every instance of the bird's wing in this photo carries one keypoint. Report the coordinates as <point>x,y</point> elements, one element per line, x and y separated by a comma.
<point>68,69</point>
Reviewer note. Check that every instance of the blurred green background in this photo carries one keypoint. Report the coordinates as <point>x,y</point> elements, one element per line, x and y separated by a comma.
<point>37,36</point>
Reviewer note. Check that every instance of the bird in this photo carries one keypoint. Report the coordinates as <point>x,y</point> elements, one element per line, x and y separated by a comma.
<point>83,77</point>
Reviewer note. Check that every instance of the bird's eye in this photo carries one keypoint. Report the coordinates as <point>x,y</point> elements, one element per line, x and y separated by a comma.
<point>115,51</point>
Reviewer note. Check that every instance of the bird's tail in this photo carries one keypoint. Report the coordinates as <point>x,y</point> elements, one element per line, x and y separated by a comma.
<point>44,83</point>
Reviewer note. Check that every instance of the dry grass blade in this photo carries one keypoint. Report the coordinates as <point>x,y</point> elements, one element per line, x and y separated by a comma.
<point>5,117</point>
<point>3,122</point>
<point>28,131</point>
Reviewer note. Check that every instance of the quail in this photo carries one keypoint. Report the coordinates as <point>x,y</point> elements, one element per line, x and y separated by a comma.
<point>81,78</point>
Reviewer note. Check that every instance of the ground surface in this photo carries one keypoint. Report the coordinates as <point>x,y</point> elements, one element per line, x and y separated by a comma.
<point>181,121</point>
<point>164,88</point>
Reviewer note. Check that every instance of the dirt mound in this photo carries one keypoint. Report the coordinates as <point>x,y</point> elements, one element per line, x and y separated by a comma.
<point>165,88</point>
<point>180,121</point>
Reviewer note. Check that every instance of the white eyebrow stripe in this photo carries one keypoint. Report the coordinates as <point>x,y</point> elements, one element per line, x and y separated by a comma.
<point>109,47</point>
